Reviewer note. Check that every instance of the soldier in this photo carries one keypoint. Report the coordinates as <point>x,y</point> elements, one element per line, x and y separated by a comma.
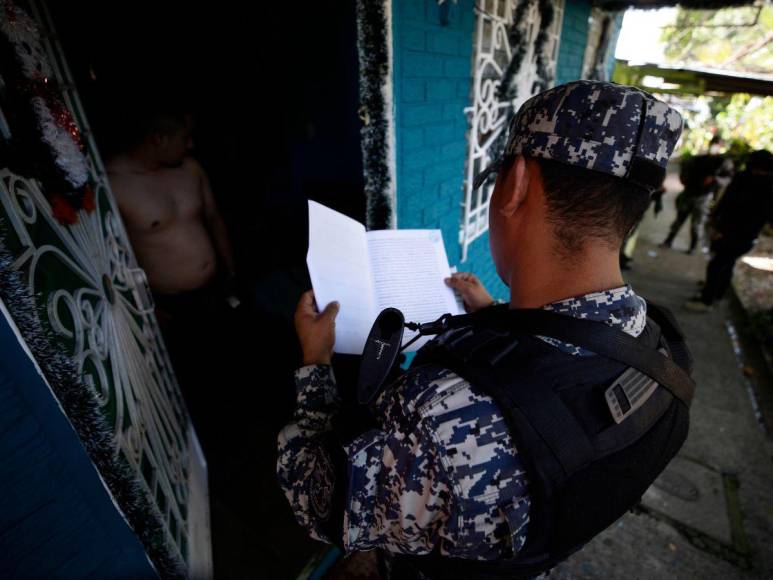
<point>495,454</point>
<point>702,177</point>
<point>738,219</point>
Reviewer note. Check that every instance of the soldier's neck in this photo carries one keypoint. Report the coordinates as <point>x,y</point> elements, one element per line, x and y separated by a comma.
<point>540,280</point>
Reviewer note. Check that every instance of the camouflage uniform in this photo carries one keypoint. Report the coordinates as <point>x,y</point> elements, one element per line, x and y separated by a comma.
<point>600,126</point>
<point>441,472</point>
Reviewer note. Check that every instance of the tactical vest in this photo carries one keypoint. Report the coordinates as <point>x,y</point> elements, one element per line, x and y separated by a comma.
<point>585,469</point>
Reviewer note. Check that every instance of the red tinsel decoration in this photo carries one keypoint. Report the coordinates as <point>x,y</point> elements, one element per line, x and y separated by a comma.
<point>10,11</point>
<point>63,212</point>
<point>48,90</point>
<point>89,202</point>
<point>62,115</point>
<point>64,205</point>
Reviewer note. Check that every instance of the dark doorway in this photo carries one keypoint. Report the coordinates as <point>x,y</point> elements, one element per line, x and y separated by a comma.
<point>273,89</point>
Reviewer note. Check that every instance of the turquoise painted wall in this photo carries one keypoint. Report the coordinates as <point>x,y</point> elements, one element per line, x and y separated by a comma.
<point>574,37</point>
<point>615,35</point>
<point>433,49</point>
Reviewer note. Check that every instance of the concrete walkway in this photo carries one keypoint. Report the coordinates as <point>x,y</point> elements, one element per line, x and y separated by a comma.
<point>710,515</point>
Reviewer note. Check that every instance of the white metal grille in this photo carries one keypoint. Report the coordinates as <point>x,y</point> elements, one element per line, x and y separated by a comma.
<point>98,302</point>
<point>488,114</point>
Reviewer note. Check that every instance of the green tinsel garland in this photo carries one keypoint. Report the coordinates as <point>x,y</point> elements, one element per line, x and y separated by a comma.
<point>374,72</point>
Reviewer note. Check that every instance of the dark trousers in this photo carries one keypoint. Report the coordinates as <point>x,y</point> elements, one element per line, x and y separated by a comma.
<point>693,207</point>
<point>194,330</point>
<point>203,341</point>
<point>719,271</point>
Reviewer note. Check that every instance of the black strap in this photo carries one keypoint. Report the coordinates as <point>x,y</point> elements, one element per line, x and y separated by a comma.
<point>672,334</point>
<point>554,425</point>
<point>595,336</point>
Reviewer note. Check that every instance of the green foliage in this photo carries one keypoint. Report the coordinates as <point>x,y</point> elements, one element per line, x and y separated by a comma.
<point>744,122</point>
<point>749,119</point>
<point>722,39</point>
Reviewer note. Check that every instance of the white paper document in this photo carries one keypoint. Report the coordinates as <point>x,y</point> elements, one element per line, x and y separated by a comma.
<point>369,271</point>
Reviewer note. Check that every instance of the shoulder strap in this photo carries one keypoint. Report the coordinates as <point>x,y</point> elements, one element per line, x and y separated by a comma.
<point>672,334</point>
<point>602,339</point>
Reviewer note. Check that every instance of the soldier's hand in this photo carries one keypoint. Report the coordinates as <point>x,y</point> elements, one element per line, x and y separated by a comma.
<point>473,293</point>
<point>316,330</point>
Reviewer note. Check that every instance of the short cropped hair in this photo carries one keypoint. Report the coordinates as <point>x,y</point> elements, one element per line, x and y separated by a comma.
<point>585,205</point>
<point>160,122</point>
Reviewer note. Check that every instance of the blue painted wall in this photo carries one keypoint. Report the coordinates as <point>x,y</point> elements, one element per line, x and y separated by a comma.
<point>57,518</point>
<point>433,50</point>
<point>574,37</point>
<point>615,35</point>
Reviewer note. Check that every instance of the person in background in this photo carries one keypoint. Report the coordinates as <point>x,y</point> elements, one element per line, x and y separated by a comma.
<point>178,236</point>
<point>181,242</point>
<point>629,245</point>
<point>699,175</point>
<point>740,215</point>
<point>166,202</point>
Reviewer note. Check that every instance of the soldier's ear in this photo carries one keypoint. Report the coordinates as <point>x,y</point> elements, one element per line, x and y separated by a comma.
<point>517,185</point>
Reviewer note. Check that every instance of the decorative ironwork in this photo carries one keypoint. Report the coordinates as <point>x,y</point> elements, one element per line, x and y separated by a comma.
<point>488,114</point>
<point>97,301</point>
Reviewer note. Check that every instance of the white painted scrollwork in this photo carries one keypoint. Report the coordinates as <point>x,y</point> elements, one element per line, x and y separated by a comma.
<point>113,337</point>
<point>488,113</point>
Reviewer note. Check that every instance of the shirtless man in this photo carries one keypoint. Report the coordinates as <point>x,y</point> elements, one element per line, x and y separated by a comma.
<point>181,242</point>
<point>168,208</point>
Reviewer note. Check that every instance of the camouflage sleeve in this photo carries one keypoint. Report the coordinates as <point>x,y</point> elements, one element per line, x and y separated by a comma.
<point>399,497</point>
<point>305,466</point>
<point>441,474</point>
<point>392,487</point>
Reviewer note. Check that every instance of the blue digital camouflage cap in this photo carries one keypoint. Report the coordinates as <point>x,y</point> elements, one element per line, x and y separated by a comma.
<point>606,127</point>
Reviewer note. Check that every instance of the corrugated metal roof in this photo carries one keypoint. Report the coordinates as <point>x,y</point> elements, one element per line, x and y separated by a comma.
<point>698,79</point>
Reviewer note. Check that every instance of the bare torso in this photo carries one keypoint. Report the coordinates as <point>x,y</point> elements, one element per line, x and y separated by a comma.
<point>163,210</point>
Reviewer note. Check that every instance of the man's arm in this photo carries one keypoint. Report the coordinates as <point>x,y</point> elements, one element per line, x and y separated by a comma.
<point>718,215</point>
<point>115,177</point>
<point>440,475</point>
<point>442,472</point>
<point>385,489</point>
<point>215,223</point>
<point>306,469</point>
